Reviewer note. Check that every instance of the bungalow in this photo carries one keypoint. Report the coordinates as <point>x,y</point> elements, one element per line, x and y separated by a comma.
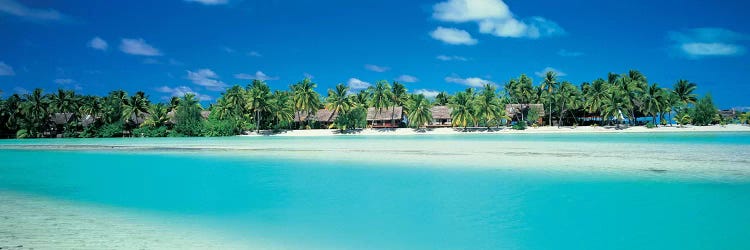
<point>518,111</point>
<point>324,117</point>
<point>385,117</point>
<point>441,117</point>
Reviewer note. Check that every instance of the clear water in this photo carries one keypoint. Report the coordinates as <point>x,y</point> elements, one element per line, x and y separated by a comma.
<point>330,204</point>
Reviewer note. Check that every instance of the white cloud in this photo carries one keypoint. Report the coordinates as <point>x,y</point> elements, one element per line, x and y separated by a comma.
<point>15,8</point>
<point>138,47</point>
<point>706,42</point>
<point>174,62</point>
<point>6,70</point>
<point>20,90</point>
<point>98,43</point>
<point>494,17</point>
<point>474,82</point>
<point>209,2</point>
<point>453,36</point>
<point>308,75</point>
<point>376,68</point>
<point>566,53</point>
<point>181,91</point>
<point>206,78</point>
<point>451,58</point>
<point>259,75</point>
<point>227,49</point>
<point>356,84</point>
<point>544,71</point>
<point>429,93</point>
<point>406,78</point>
<point>254,54</point>
<point>64,81</point>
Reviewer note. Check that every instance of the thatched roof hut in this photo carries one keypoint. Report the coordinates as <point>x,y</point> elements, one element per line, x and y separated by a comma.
<point>385,114</point>
<point>513,110</point>
<point>61,118</point>
<point>441,112</point>
<point>322,115</point>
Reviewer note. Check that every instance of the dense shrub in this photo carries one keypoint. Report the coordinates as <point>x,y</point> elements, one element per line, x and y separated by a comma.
<point>219,128</point>
<point>149,131</point>
<point>110,130</point>
<point>705,112</point>
<point>519,125</point>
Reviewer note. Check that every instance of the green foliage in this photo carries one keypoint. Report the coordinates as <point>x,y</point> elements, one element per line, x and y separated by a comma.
<point>519,126</point>
<point>683,118</point>
<point>188,117</point>
<point>650,125</point>
<point>704,112</point>
<point>419,112</point>
<point>22,133</point>
<point>219,128</point>
<point>355,118</point>
<point>533,116</point>
<point>149,131</point>
<point>111,130</point>
<point>89,132</point>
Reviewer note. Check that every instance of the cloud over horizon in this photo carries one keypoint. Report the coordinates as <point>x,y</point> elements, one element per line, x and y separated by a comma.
<point>15,8</point>
<point>180,91</point>
<point>206,78</point>
<point>138,47</point>
<point>708,42</point>
<point>376,68</point>
<point>6,70</point>
<point>544,71</point>
<point>494,17</point>
<point>259,75</point>
<point>429,93</point>
<point>356,84</point>
<point>407,78</point>
<point>474,82</point>
<point>453,36</point>
<point>98,43</point>
<point>208,2</point>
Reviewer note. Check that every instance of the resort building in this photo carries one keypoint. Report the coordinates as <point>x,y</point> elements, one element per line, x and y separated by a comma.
<point>518,112</point>
<point>441,117</point>
<point>388,117</point>
<point>323,117</point>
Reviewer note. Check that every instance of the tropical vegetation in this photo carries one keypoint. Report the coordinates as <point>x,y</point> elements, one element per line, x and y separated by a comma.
<point>618,100</point>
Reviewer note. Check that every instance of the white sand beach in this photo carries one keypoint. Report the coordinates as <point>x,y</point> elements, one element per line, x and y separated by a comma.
<point>507,130</point>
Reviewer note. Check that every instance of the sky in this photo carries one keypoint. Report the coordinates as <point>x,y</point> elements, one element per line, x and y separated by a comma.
<point>171,47</point>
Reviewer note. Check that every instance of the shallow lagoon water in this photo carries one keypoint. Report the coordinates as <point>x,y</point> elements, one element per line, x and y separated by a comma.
<point>248,197</point>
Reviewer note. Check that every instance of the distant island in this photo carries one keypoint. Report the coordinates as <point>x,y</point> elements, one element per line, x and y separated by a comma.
<point>619,100</point>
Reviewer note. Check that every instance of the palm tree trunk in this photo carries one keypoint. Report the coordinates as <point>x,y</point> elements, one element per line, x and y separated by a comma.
<point>559,120</point>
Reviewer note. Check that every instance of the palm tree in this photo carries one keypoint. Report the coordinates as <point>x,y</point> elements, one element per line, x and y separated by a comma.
<point>419,110</point>
<point>549,85</point>
<point>362,99</point>
<point>488,106</point>
<point>11,112</point>
<point>305,97</point>
<point>338,100</point>
<point>282,107</point>
<point>653,100</point>
<point>173,103</point>
<point>257,97</point>
<point>398,97</point>
<point>633,84</point>
<point>595,95</point>
<point>568,95</point>
<point>615,105</point>
<point>463,109</point>
<point>135,107</point>
<point>684,89</point>
<point>381,94</point>
<point>442,98</point>
<point>35,112</point>
<point>64,102</point>
<point>157,115</point>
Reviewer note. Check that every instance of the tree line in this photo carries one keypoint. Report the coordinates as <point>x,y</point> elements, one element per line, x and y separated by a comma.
<point>617,99</point>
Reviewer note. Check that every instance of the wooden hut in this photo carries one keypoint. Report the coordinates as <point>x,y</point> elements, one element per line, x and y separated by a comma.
<point>441,117</point>
<point>518,111</point>
<point>385,117</point>
<point>323,117</point>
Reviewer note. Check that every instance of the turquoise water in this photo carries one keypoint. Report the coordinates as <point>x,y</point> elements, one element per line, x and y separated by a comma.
<point>331,204</point>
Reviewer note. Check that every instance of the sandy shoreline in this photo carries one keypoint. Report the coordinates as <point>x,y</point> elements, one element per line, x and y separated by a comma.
<point>507,130</point>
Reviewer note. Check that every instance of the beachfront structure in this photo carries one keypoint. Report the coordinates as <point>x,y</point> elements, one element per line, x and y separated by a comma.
<point>390,117</point>
<point>441,117</point>
<point>518,112</point>
<point>323,117</point>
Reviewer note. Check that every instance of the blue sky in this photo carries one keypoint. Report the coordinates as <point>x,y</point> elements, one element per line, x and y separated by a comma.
<point>175,46</point>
